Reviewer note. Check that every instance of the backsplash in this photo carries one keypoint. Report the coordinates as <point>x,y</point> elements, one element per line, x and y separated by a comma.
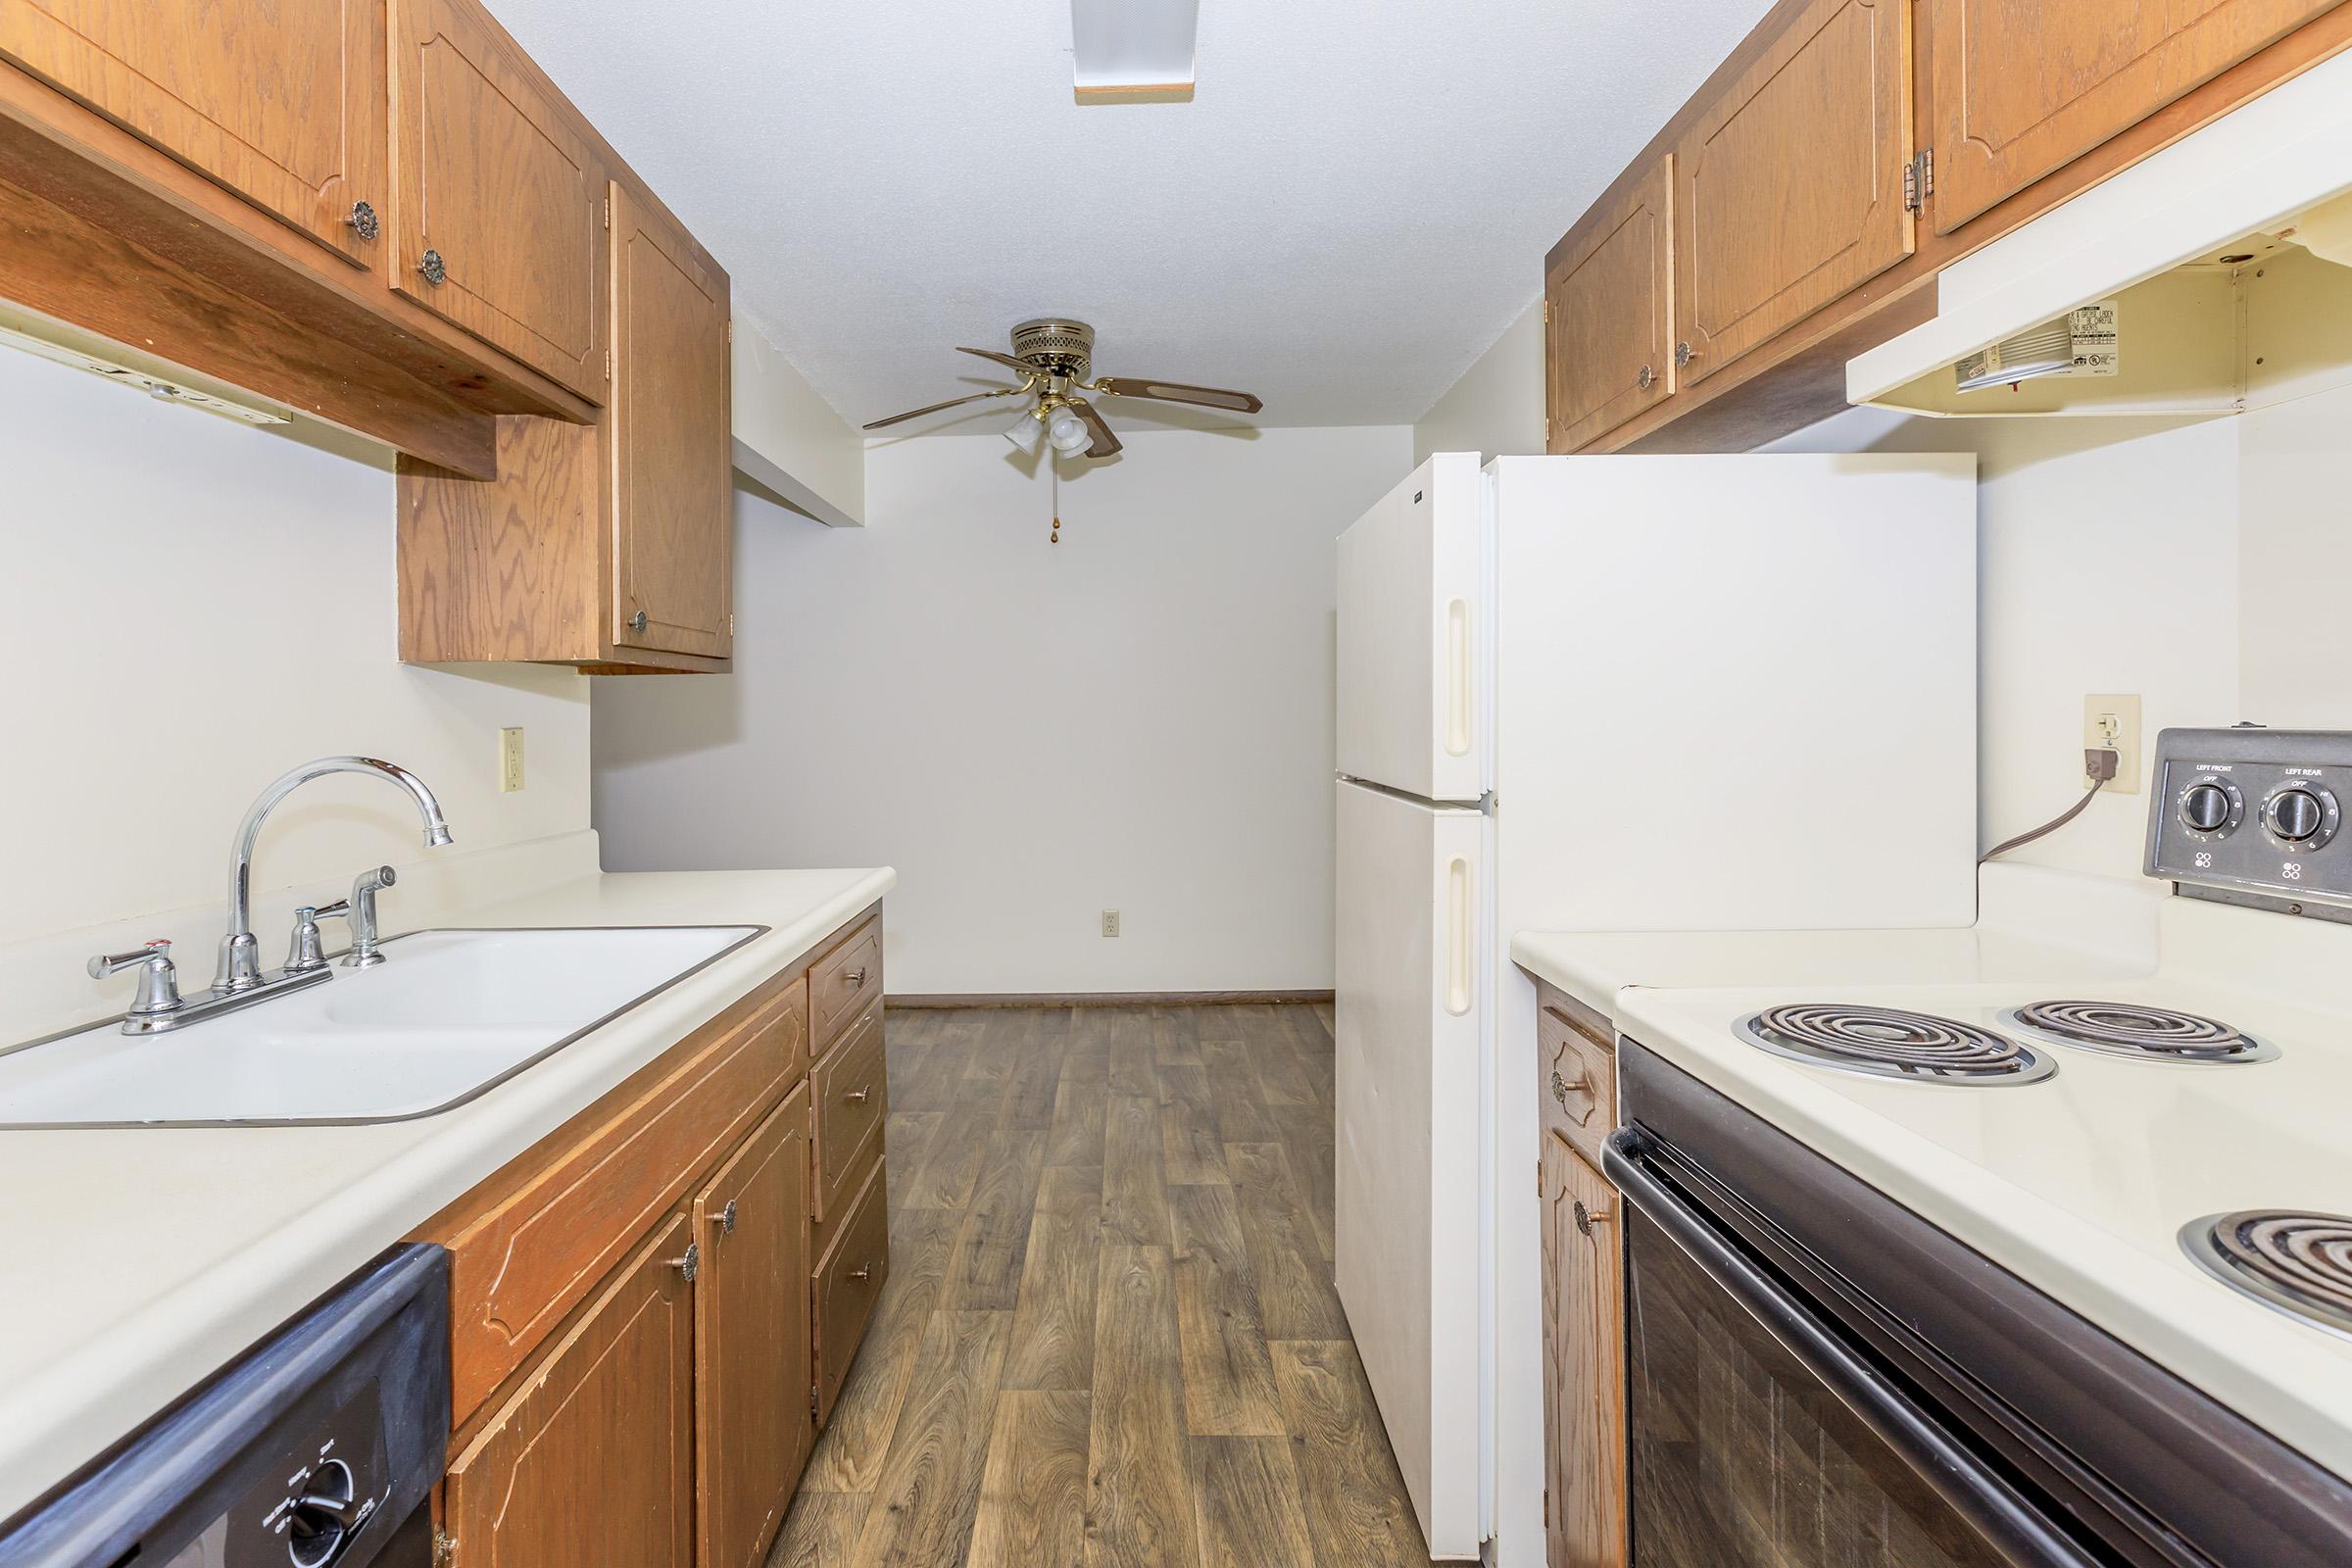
<point>193,606</point>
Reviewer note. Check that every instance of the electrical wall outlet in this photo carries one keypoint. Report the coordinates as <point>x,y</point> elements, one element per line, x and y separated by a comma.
<point>510,760</point>
<point>1110,922</point>
<point>2111,722</point>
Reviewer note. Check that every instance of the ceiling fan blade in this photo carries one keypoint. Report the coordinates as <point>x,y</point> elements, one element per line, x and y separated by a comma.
<point>917,413</point>
<point>1207,397</point>
<point>1023,365</point>
<point>1105,443</point>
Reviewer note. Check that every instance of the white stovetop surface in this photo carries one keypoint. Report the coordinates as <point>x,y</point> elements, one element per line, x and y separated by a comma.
<point>135,1262</point>
<point>2079,1183</point>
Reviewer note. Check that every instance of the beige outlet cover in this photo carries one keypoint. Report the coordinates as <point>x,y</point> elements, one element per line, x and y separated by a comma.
<point>2117,712</point>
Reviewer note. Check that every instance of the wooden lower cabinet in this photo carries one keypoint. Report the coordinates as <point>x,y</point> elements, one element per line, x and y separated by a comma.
<point>590,1463</point>
<point>661,1416</point>
<point>1584,1363</point>
<point>754,1417</point>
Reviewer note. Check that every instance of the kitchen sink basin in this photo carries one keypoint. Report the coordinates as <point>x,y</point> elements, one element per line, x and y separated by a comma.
<point>448,1015</point>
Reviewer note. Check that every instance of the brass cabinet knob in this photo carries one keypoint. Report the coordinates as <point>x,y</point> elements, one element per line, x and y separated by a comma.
<point>1586,1219</point>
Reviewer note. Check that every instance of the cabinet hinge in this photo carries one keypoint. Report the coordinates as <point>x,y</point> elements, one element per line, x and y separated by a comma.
<point>1918,180</point>
<point>811,1401</point>
<point>1548,313</point>
<point>607,364</point>
<point>607,212</point>
<point>730,625</point>
<point>445,1551</point>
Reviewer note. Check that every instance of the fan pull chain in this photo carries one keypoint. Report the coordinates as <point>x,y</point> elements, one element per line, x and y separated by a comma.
<point>1056,537</point>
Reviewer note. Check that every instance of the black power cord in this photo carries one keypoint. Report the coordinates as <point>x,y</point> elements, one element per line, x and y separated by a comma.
<point>2099,764</point>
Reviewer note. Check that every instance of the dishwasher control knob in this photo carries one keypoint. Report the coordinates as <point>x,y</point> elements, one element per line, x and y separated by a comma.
<point>2205,807</point>
<point>322,1517</point>
<point>2301,815</point>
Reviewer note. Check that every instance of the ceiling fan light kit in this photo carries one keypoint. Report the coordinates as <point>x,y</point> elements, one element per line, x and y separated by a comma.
<point>1053,357</point>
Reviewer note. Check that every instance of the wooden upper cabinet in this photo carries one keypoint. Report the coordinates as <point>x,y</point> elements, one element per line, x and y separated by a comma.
<point>592,1459</point>
<point>499,222</point>
<point>754,1351</point>
<point>1609,314</point>
<point>673,439</point>
<point>1584,1364</point>
<point>280,101</point>
<point>1788,188</point>
<point>2023,87</point>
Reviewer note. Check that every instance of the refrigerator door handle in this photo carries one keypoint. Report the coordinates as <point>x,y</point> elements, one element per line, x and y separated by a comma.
<point>1457,677</point>
<point>1457,935</point>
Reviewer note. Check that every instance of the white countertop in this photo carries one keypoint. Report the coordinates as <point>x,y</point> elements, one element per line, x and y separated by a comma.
<point>135,1262</point>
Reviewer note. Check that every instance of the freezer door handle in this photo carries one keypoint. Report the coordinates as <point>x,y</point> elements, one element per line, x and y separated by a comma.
<point>1457,677</point>
<point>1457,935</point>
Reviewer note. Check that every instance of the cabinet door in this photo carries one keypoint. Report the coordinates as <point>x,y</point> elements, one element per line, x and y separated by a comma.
<point>755,1359</point>
<point>1789,189</point>
<point>591,1463</point>
<point>1609,349</point>
<point>2024,86</point>
<point>1584,1364</point>
<point>499,220</point>
<point>277,100</point>
<point>673,444</point>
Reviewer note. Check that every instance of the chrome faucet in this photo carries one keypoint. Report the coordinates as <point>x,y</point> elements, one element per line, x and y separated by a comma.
<point>240,967</point>
<point>239,981</point>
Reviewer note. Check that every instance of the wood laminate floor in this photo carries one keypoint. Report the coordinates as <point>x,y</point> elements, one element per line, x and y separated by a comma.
<point>1109,1338</point>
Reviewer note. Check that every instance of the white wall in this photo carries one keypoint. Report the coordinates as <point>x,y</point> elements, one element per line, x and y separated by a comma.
<point>2295,562</point>
<point>788,440</point>
<point>192,607</point>
<point>1496,407</point>
<point>2108,562</point>
<point>1138,718</point>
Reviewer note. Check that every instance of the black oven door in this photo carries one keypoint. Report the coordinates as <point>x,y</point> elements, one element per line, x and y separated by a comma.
<point>1760,1439</point>
<point>1818,1378</point>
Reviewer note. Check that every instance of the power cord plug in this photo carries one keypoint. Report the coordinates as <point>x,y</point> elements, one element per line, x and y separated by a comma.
<point>2099,766</point>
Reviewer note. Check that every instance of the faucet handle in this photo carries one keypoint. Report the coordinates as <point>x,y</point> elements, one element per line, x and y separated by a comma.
<point>308,951</point>
<point>105,964</point>
<point>158,980</point>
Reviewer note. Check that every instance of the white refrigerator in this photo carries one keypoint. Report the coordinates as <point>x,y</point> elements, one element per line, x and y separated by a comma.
<point>1624,693</point>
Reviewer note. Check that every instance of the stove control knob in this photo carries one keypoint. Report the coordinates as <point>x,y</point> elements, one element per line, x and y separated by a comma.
<point>2205,807</point>
<point>2301,815</point>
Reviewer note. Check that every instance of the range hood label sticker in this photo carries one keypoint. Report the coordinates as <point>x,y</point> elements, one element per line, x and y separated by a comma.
<point>2097,347</point>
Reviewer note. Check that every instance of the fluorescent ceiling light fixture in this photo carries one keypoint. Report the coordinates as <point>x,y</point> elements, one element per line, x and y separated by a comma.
<point>1025,431</point>
<point>159,387</point>
<point>1133,47</point>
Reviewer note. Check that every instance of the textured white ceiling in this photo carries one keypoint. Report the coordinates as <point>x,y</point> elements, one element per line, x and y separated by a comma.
<point>1352,206</point>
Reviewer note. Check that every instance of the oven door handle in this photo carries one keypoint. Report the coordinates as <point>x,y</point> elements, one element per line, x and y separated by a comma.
<point>1998,1509</point>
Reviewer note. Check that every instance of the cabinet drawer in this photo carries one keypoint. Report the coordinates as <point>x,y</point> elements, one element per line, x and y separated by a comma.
<point>517,1270</point>
<point>500,223</point>
<point>1580,1079</point>
<point>848,1284</point>
<point>844,980</point>
<point>852,1100</point>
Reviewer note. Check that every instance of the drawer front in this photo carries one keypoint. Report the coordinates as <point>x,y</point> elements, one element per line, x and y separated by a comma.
<point>844,981</point>
<point>1579,1080</point>
<point>518,1269</point>
<point>851,1102</point>
<point>848,1284</point>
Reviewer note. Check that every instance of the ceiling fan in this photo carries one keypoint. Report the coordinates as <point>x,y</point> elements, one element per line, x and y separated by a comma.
<point>1053,358</point>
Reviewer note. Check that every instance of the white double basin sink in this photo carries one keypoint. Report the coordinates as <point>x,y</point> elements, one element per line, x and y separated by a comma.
<point>447,1016</point>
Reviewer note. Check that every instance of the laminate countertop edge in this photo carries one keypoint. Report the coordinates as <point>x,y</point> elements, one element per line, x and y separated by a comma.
<point>135,1262</point>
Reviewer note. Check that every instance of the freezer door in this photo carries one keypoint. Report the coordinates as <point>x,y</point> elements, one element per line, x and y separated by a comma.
<point>1412,636</point>
<point>1410,975</point>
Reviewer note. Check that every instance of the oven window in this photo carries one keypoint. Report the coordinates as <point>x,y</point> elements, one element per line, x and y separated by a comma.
<point>1743,1460</point>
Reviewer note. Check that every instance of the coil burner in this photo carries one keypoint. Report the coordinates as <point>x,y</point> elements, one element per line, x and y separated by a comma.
<point>2300,1263</point>
<point>2128,1029</point>
<point>1893,1044</point>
